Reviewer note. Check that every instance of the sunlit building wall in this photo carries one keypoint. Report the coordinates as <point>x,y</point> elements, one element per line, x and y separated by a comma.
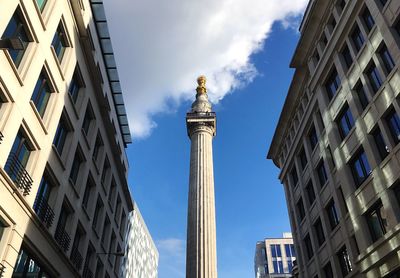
<point>141,255</point>
<point>274,257</point>
<point>337,140</point>
<point>64,198</point>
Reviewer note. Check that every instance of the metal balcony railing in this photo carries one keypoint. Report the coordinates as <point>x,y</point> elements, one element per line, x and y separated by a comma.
<point>76,258</point>
<point>17,172</point>
<point>87,273</point>
<point>62,238</point>
<point>2,269</point>
<point>43,211</point>
<point>1,137</point>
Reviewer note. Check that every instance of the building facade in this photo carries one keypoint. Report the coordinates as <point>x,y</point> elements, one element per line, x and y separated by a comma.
<point>64,194</point>
<point>274,257</point>
<point>141,254</point>
<point>337,138</point>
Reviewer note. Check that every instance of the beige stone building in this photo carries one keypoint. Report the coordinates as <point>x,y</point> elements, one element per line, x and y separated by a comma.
<point>64,197</point>
<point>337,140</point>
<point>274,257</point>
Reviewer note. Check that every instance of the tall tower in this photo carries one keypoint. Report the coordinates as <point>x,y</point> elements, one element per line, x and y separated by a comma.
<point>201,253</point>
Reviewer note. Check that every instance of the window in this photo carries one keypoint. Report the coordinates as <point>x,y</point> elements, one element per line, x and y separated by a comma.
<point>3,226</point>
<point>310,192</point>
<point>396,190</point>
<point>357,38</point>
<point>97,146</point>
<point>118,260</point>
<point>386,58</point>
<point>308,247</point>
<point>276,250</point>
<point>380,143</point>
<point>348,59</point>
<point>90,184</point>
<point>106,229</point>
<point>328,270</point>
<point>345,121</point>
<point>60,42</point>
<point>342,4</point>
<point>41,4</point>
<point>342,199</point>
<point>76,257</point>
<point>111,193</point>
<point>360,167</point>
<point>316,56</point>
<point>332,213</point>
<point>61,136</point>
<point>393,122</point>
<point>303,159</point>
<point>355,244</point>
<point>332,84</point>
<point>117,209</point>
<point>75,85</point>
<point>397,27</point>
<point>28,266</point>
<point>300,208</point>
<point>88,261</point>
<point>289,249</point>
<point>17,28</point>
<point>313,138</point>
<point>368,19</point>
<point>41,93</point>
<point>374,77</point>
<point>61,236</point>
<point>359,88</point>
<point>99,268</point>
<point>383,2</point>
<point>111,249</point>
<point>106,170</point>
<point>377,222</point>
<point>294,176</point>
<point>41,205</point>
<point>87,120</point>
<point>278,266</point>
<point>344,261</point>
<point>319,231</point>
<point>97,213</point>
<point>76,164</point>
<point>322,175</point>
<point>332,22</point>
<point>122,228</point>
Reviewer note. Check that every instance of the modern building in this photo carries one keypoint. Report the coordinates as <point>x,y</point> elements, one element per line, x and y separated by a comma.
<point>201,247</point>
<point>64,193</point>
<point>336,141</point>
<point>274,257</point>
<point>141,255</point>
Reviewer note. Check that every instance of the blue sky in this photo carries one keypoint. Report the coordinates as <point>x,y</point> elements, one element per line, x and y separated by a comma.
<point>243,47</point>
<point>250,202</point>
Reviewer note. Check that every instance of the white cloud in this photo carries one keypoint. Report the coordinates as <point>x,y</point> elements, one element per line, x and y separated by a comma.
<point>163,46</point>
<point>172,257</point>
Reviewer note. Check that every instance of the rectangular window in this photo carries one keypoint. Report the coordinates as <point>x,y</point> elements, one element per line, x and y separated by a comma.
<point>341,196</point>
<point>75,85</point>
<point>122,228</point>
<point>289,248</point>
<point>41,205</point>
<point>393,122</point>
<point>106,170</point>
<point>362,96</point>
<point>17,28</point>
<point>313,138</point>
<point>60,42</point>
<point>117,209</point>
<point>87,120</point>
<point>380,143</point>
<point>328,270</point>
<point>97,146</point>
<point>345,121</point>
<point>308,247</point>
<point>276,250</point>
<point>386,58</point>
<point>303,159</point>
<point>76,165</point>
<point>41,93</point>
<point>344,261</point>
<point>322,175</point>
<point>99,268</point>
<point>300,209</point>
<point>332,84</point>
<point>111,193</point>
<point>90,184</point>
<point>368,19</point>
<point>294,176</point>
<point>377,222</point>
<point>310,192</point>
<point>111,249</point>
<point>97,213</point>
<point>333,214</point>
<point>357,38</point>
<point>278,266</point>
<point>76,257</point>
<point>374,77</point>
<point>360,167</point>
<point>319,231</point>
<point>106,228</point>
<point>61,136</point>
<point>348,59</point>
<point>27,266</point>
<point>61,236</point>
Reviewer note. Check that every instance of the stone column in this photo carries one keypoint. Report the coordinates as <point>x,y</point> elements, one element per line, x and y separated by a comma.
<point>201,255</point>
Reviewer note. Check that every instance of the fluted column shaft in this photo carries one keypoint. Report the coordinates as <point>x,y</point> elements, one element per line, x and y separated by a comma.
<point>201,255</point>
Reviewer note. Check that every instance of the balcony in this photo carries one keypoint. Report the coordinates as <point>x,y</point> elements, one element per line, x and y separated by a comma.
<point>76,258</point>
<point>87,273</point>
<point>43,211</point>
<point>16,171</point>
<point>62,238</point>
<point>2,269</point>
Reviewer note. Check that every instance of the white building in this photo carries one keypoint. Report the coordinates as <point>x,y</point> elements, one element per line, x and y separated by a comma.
<point>141,255</point>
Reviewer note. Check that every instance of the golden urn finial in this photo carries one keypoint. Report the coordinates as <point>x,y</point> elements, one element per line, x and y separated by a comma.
<point>201,89</point>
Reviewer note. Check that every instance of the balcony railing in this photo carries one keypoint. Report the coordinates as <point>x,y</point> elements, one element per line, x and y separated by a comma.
<point>1,137</point>
<point>62,238</point>
<point>2,269</point>
<point>43,211</point>
<point>76,258</point>
<point>87,273</point>
<point>18,173</point>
